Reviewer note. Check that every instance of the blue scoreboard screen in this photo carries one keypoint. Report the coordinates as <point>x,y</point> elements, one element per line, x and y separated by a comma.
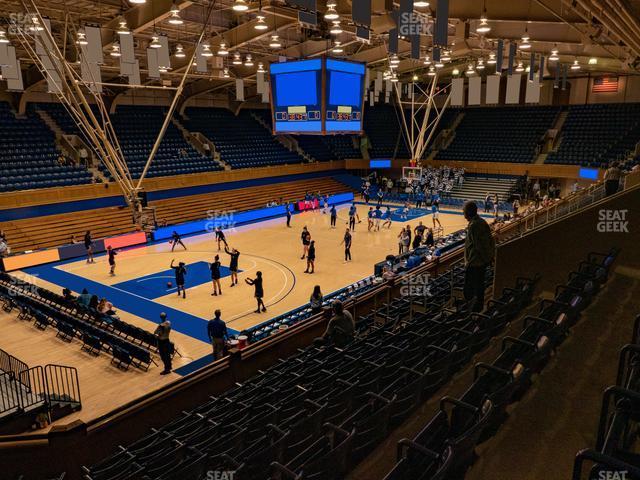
<point>344,97</point>
<point>296,89</point>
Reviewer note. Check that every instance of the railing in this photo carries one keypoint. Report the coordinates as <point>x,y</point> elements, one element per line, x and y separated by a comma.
<point>63,386</point>
<point>9,396</point>
<point>559,209</point>
<point>9,363</point>
<point>33,388</point>
<point>55,387</point>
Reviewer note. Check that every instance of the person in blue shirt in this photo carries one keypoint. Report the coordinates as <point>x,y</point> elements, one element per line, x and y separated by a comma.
<point>334,216</point>
<point>217,332</point>
<point>353,213</point>
<point>435,213</point>
<point>180,270</point>
<point>380,197</point>
<point>387,217</point>
<point>420,199</point>
<point>370,215</point>
<point>288,215</point>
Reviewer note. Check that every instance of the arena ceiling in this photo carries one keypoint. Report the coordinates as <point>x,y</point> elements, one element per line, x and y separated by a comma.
<point>604,36</point>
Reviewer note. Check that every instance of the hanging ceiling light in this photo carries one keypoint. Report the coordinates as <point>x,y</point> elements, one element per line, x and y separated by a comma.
<point>432,71</point>
<point>82,38</point>
<point>163,69</point>
<point>240,6</point>
<point>222,51</point>
<point>439,64</point>
<point>414,78</point>
<point>155,41</point>
<point>237,59</point>
<point>137,2</point>
<point>455,71</point>
<point>593,61</point>
<point>394,78</point>
<point>492,59</point>
<point>427,60</point>
<point>180,51</point>
<point>470,70</point>
<point>194,64</point>
<point>3,36</point>
<point>248,61</point>
<point>480,65</point>
<point>337,48</point>
<point>225,73</point>
<point>520,67</point>
<point>576,65</point>
<point>525,45</point>
<point>261,24</point>
<point>554,57</point>
<point>484,26</point>
<point>420,4</point>
<point>206,50</point>
<point>115,50</point>
<point>446,56</point>
<point>386,75</point>
<point>336,29</point>
<point>275,42</point>
<point>123,29</point>
<point>175,19</point>
<point>331,14</point>
<point>261,68</point>
<point>394,60</point>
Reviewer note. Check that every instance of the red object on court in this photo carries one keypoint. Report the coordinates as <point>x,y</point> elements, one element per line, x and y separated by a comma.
<point>242,341</point>
<point>312,204</point>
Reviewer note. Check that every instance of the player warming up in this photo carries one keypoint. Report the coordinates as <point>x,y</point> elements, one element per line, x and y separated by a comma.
<point>311,257</point>
<point>220,238</point>
<point>305,236</point>
<point>259,291</point>
<point>112,260</point>
<point>346,241</point>
<point>233,264</point>
<point>180,270</point>
<point>215,276</point>
<point>175,240</point>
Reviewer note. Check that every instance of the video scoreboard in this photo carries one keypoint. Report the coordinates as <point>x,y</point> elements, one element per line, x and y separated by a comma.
<point>317,96</point>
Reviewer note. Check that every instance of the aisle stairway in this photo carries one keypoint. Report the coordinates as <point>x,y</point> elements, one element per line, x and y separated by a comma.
<point>476,188</point>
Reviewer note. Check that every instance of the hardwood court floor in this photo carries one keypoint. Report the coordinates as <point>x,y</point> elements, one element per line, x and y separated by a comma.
<point>267,246</point>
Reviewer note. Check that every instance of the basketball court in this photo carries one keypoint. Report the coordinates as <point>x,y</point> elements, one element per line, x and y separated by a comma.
<point>140,292</point>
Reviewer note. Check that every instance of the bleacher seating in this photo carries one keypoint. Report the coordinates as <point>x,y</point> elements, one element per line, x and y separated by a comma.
<point>320,412</point>
<point>195,207</point>
<point>241,140</point>
<point>383,127</point>
<point>28,155</point>
<point>505,134</point>
<point>98,332</point>
<point>594,135</point>
<point>137,128</point>
<point>445,447</point>
<point>54,230</point>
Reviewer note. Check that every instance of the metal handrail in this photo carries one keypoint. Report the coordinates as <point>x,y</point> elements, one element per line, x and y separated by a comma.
<point>559,209</point>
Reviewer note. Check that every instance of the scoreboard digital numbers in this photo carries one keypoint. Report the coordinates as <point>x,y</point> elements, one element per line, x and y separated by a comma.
<point>344,98</point>
<point>317,96</point>
<point>297,96</point>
